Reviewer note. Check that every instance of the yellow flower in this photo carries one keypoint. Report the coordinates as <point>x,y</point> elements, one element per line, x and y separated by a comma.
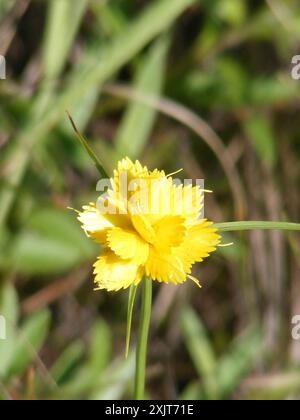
<point>147,225</point>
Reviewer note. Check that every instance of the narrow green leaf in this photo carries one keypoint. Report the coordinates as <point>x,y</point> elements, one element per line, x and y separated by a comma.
<point>233,12</point>
<point>110,17</point>
<point>192,391</point>
<point>138,120</point>
<point>237,362</point>
<point>89,371</point>
<point>260,132</point>
<point>112,384</point>
<point>256,225</point>
<point>63,19</point>
<point>9,306</point>
<point>200,350</point>
<point>89,151</point>
<point>82,112</point>
<point>231,367</point>
<point>66,361</point>
<point>29,341</point>
<point>131,300</point>
<point>100,349</point>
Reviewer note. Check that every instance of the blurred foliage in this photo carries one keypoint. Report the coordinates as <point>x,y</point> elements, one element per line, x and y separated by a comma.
<point>228,61</point>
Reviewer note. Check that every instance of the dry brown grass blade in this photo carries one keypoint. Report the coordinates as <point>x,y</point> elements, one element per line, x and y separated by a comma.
<point>54,291</point>
<point>196,124</point>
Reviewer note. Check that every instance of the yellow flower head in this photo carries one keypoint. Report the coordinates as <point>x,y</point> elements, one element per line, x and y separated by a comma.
<point>147,225</point>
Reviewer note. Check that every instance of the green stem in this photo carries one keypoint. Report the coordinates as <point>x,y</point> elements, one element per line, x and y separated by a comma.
<point>131,300</point>
<point>141,352</point>
<point>254,225</point>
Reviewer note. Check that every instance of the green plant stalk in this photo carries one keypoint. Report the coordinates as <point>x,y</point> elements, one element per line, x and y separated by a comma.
<point>141,352</point>
<point>256,225</point>
<point>131,300</point>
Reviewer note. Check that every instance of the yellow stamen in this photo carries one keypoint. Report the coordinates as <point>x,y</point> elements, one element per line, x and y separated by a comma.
<point>71,208</point>
<point>195,280</point>
<point>174,173</point>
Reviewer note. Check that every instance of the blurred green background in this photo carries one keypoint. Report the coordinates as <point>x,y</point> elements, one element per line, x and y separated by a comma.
<point>204,85</point>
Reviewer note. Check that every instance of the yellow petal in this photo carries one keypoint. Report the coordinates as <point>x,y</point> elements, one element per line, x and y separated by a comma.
<point>128,245</point>
<point>166,199</point>
<point>157,233</point>
<point>143,226</point>
<point>94,223</point>
<point>113,273</point>
<point>192,203</point>
<point>201,239</point>
<point>126,172</point>
<point>165,268</point>
<point>169,232</point>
